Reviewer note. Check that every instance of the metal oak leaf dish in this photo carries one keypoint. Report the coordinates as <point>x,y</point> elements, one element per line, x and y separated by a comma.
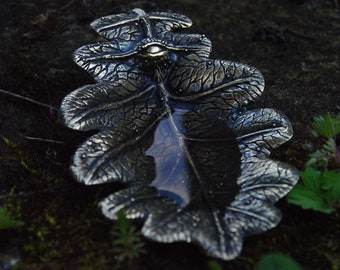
<point>195,164</point>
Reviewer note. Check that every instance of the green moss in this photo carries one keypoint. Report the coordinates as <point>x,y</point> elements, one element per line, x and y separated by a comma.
<point>21,160</point>
<point>7,222</point>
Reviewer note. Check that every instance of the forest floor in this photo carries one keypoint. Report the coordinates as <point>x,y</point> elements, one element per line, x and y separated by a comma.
<point>296,46</point>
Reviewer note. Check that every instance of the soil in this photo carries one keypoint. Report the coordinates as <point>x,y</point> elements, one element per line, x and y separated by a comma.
<point>295,44</point>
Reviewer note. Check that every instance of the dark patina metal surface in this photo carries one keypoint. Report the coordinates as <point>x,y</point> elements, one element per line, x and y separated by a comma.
<point>173,127</point>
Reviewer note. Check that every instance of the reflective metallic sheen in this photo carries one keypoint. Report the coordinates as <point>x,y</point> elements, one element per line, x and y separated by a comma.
<point>173,128</point>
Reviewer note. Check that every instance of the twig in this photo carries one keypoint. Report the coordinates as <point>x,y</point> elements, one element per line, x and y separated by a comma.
<point>31,193</point>
<point>43,140</point>
<point>28,99</point>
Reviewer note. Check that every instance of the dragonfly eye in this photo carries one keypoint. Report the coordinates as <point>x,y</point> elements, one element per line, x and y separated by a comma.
<point>153,51</point>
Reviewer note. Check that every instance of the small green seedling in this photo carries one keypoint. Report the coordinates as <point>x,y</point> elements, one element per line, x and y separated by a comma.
<point>326,126</point>
<point>277,261</point>
<point>127,240</point>
<point>320,186</point>
<point>6,222</point>
<point>214,265</point>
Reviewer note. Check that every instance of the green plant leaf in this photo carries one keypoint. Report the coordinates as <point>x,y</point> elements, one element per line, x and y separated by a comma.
<point>6,222</point>
<point>319,191</point>
<point>320,158</point>
<point>308,199</point>
<point>331,183</point>
<point>277,261</point>
<point>312,179</point>
<point>320,188</point>
<point>326,126</point>
<point>214,265</point>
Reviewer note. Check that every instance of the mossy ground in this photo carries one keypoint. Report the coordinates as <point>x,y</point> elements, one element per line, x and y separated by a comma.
<point>295,44</point>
